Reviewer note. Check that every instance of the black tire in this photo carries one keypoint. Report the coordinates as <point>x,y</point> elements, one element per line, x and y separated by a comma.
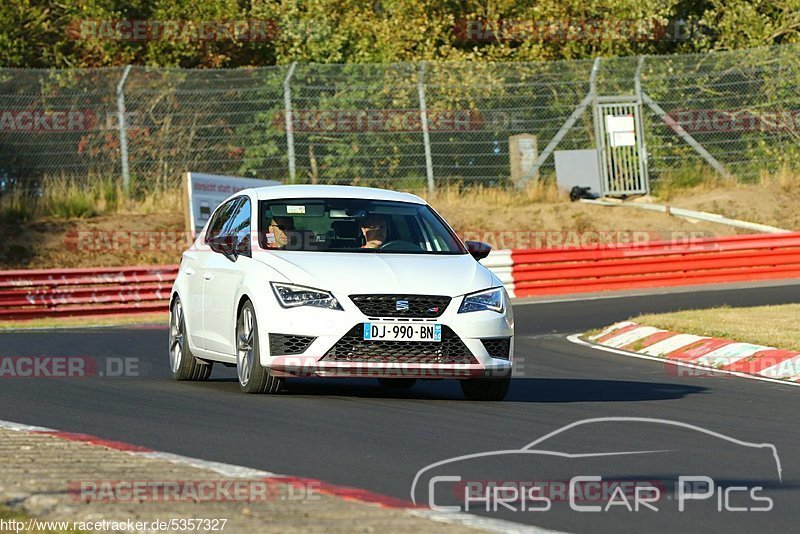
<point>253,377</point>
<point>485,389</point>
<point>397,383</point>
<point>183,364</point>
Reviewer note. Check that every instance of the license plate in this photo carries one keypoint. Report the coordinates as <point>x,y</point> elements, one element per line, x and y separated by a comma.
<point>402,332</point>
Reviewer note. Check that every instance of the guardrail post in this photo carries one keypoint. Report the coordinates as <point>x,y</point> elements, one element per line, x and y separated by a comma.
<point>289,121</point>
<point>123,130</point>
<point>423,119</point>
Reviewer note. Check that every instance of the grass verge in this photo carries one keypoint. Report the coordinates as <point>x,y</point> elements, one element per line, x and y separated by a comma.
<point>160,318</point>
<point>773,326</point>
<point>64,199</point>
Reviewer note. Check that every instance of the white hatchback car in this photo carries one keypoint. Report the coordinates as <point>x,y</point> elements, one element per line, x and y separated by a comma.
<point>336,281</point>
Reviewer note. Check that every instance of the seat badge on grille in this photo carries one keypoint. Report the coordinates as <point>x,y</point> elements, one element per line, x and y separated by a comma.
<point>401,305</point>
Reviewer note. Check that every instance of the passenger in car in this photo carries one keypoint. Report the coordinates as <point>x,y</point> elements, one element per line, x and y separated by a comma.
<point>278,232</point>
<point>374,229</point>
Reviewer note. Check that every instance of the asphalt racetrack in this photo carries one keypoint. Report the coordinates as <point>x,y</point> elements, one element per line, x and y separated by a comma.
<point>355,433</point>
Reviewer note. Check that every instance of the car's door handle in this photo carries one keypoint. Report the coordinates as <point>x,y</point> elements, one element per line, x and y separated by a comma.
<point>208,276</point>
<point>189,271</point>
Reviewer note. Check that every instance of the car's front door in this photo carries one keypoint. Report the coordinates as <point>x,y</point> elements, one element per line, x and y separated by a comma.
<point>222,279</point>
<point>196,263</point>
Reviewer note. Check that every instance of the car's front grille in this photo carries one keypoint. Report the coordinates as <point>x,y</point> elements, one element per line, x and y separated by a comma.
<point>353,348</point>
<point>282,344</point>
<point>401,305</point>
<point>498,347</point>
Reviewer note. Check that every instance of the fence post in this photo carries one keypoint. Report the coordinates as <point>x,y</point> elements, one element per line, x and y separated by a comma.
<point>287,113</point>
<point>123,130</point>
<point>423,118</point>
<point>637,81</point>
<point>643,157</point>
<point>590,98</point>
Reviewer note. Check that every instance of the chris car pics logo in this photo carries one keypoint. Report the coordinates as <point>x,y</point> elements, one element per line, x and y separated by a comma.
<point>513,481</point>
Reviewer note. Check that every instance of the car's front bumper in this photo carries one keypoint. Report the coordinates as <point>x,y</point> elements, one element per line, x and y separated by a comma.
<point>323,356</point>
<point>308,366</point>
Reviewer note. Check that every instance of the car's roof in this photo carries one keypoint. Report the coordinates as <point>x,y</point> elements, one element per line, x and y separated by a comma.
<point>331,191</point>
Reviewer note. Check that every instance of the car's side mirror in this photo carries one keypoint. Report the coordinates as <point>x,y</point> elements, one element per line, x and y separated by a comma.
<point>225,245</point>
<point>478,249</point>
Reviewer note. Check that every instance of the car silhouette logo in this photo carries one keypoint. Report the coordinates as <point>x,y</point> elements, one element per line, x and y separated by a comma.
<point>535,448</point>
<point>401,305</point>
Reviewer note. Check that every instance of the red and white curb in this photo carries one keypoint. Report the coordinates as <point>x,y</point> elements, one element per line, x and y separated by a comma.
<point>715,355</point>
<point>324,488</point>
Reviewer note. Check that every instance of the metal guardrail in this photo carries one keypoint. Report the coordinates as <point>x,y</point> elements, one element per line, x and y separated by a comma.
<point>129,290</point>
<point>29,294</point>
<point>655,264</point>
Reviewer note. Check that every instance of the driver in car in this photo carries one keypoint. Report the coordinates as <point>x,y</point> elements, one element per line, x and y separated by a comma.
<point>374,229</point>
<point>278,232</point>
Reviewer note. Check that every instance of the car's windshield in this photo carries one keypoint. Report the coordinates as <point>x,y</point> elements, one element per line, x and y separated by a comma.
<point>354,225</point>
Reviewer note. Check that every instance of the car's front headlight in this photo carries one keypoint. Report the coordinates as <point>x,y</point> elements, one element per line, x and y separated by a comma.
<point>489,299</point>
<point>292,296</point>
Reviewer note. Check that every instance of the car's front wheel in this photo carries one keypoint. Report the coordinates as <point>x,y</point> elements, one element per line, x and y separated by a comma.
<point>485,389</point>
<point>253,377</point>
<point>182,362</point>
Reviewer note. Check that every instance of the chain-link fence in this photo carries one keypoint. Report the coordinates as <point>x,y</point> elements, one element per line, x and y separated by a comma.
<point>394,125</point>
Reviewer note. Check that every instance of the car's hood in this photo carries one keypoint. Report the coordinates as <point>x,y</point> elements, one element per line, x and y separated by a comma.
<point>354,273</point>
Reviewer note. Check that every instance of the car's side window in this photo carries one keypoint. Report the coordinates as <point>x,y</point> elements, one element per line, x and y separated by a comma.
<point>220,219</point>
<point>239,227</point>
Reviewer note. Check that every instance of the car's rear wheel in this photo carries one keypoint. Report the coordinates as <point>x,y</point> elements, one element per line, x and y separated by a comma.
<point>397,383</point>
<point>182,362</point>
<point>485,389</point>
<point>253,377</point>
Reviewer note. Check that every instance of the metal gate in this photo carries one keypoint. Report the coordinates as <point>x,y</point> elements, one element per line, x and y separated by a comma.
<point>621,152</point>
